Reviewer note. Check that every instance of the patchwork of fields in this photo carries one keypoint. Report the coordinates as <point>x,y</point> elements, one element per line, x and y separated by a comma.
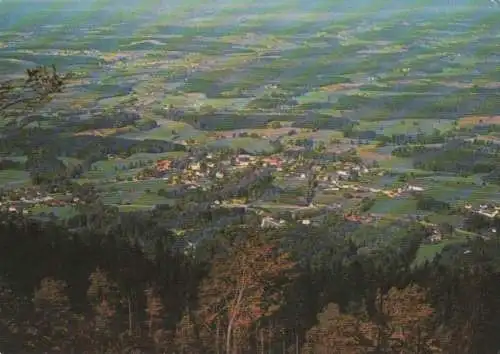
<point>259,82</point>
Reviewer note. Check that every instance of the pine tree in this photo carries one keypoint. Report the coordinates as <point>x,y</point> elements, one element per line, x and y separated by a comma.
<point>154,310</point>
<point>186,339</point>
<point>13,315</point>
<point>340,333</point>
<point>408,325</point>
<point>54,323</point>
<point>104,297</point>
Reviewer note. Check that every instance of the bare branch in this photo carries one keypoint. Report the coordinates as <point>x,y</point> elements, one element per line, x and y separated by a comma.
<point>38,87</point>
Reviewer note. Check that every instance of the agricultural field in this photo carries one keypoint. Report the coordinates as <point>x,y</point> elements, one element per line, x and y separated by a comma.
<point>406,126</point>
<point>169,130</point>
<point>469,121</point>
<point>399,206</point>
<point>226,77</point>
<point>9,178</point>
<point>64,212</point>
<point>427,252</point>
<point>252,145</point>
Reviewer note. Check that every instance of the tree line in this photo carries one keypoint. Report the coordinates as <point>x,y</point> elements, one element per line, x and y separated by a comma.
<point>245,290</point>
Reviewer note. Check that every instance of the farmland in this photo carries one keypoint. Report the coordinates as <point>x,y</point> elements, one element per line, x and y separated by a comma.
<point>317,82</point>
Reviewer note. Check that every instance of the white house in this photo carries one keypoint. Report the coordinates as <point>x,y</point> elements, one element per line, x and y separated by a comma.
<point>436,237</point>
<point>414,188</point>
<point>195,166</point>
<point>489,215</point>
<point>270,222</point>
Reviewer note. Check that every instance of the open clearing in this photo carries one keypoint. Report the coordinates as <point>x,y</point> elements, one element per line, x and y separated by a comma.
<point>476,120</point>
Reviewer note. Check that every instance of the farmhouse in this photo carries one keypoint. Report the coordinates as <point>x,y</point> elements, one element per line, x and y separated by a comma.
<point>272,161</point>
<point>269,222</point>
<point>195,166</point>
<point>414,188</point>
<point>163,165</point>
<point>343,174</point>
<point>244,160</point>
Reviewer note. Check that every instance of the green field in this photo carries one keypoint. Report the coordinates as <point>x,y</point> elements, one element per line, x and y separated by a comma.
<point>14,178</point>
<point>133,207</point>
<point>394,206</point>
<point>427,252</point>
<point>170,131</point>
<point>251,145</point>
<point>64,212</point>
<point>406,126</point>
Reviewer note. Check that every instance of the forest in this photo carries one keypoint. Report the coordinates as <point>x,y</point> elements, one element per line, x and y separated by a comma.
<point>457,156</point>
<point>118,285</point>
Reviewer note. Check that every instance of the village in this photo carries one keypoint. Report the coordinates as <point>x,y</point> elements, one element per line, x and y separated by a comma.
<point>202,173</point>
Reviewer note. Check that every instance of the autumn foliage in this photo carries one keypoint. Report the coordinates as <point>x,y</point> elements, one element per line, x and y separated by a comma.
<point>248,294</point>
<point>403,328</point>
<point>243,287</point>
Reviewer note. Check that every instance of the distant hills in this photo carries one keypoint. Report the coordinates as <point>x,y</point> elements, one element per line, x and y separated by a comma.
<point>384,5</point>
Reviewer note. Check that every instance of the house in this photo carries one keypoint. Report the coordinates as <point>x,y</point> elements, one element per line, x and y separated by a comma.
<point>244,157</point>
<point>163,165</point>
<point>414,188</point>
<point>269,222</point>
<point>195,166</point>
<point>343,174</point>
<point>489,215</point>
<point>436,236</point>
<point>272,161</point>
